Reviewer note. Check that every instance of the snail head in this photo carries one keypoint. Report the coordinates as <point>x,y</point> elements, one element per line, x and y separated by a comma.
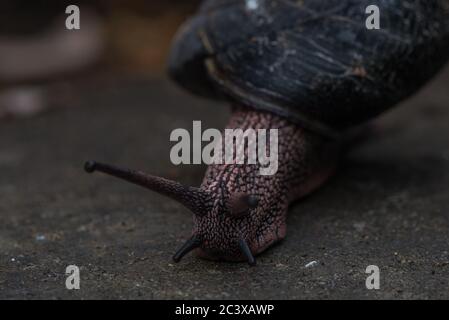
<point>232,221</point>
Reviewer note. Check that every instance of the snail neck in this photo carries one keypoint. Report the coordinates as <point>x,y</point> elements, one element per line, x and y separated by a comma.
<point>305,160</point>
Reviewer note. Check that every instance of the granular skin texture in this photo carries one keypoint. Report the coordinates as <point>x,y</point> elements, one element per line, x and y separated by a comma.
<point>306,160</point>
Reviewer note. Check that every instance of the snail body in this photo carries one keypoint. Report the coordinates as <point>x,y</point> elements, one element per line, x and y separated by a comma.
<point>307,68</point>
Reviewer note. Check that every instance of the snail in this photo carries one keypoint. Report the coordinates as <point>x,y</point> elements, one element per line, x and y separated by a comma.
<point>310,69</point>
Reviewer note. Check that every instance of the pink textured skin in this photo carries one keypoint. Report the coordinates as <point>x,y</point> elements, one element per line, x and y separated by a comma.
<point>306,160</point>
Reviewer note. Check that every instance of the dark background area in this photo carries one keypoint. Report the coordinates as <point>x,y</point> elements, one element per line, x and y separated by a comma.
<point>386,206</point>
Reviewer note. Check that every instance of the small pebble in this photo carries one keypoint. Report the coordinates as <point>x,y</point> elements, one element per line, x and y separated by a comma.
<point>40,237</point>
<point>252,4</point>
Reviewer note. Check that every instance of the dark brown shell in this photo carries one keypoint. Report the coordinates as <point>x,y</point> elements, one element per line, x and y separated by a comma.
<point>313,61</point>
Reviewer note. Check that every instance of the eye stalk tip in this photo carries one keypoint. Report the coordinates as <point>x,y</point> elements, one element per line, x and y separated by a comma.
<point>191,244</point>
<point>90,166</point>
<point>246,251</point>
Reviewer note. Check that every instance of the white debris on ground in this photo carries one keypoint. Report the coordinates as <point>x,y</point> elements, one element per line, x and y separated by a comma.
<point>40,237</point>
<point>252,4</point>
<point>311,264</point>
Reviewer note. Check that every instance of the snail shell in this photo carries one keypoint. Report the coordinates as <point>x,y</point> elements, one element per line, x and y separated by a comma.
<point>312,61</point>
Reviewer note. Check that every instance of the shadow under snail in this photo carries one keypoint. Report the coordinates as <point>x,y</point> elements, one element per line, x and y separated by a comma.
<point>310,69</point>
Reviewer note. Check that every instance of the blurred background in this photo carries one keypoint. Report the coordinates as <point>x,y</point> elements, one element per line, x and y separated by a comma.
<point>42,64</point>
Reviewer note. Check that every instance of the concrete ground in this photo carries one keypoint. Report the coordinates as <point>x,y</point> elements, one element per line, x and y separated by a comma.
<point>387,206</point>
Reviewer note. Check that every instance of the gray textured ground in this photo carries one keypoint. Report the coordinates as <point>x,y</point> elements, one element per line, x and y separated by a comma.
<point>387,206</point>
